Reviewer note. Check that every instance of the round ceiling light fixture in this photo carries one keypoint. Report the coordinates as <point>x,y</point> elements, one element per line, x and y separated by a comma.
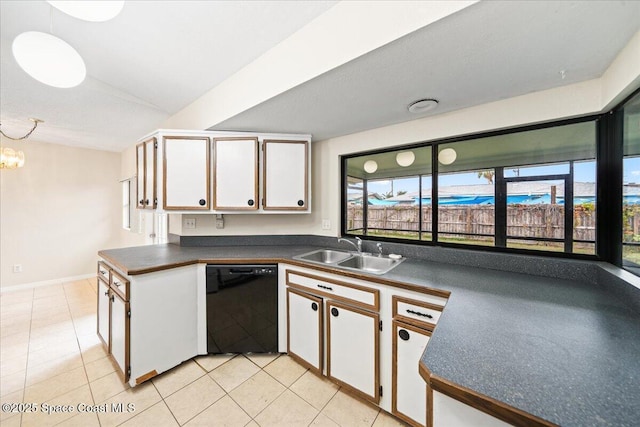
<point>405,158</point>
<point>48,59</point>
<point>370,166</point>
<point>92,11</point>
<point>422,106</point>
<point>447,156</point>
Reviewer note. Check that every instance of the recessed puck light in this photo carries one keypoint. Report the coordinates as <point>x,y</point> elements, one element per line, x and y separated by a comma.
<point>422,106</point>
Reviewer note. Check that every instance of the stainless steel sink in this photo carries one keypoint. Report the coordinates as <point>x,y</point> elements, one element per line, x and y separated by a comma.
<point>351,260</point>
<point>370,263</point>
<point>325,256</point>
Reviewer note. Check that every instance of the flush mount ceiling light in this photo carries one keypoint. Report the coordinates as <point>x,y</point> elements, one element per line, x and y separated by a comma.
<point>48,59</point>
<point>405,158</point>
<point>447,156</point>
<point>422,106</point>
<point>92,11</point>
<point>370,166</point>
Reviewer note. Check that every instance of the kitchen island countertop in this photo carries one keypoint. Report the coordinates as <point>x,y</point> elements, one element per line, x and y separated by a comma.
<point>565,351</point>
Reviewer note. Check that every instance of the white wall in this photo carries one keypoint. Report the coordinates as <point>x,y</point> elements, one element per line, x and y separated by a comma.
<point>57,212</point>
<point>569,101</point>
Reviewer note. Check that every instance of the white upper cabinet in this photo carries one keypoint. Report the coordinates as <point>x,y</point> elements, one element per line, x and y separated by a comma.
<point>224,172</point>
<point>286,176</point>
<point>146,165</point>
<point>186,173</point>
<point>235,173</point>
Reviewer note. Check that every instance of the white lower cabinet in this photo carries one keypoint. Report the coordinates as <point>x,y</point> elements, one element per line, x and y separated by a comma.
<point>304,332</point>
<point>352,349</point>
<point>409,399</point>
<point>449,412</point>
<point>103,311</point>
<point>149,323</point>
<point>120,333</point>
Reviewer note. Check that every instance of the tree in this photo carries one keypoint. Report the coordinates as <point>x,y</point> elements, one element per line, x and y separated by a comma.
<point>487,174</point>
<point>401,192</point>
<point>388,195</point>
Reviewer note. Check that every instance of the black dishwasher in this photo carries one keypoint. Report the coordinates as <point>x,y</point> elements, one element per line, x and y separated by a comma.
<point>242,308</point>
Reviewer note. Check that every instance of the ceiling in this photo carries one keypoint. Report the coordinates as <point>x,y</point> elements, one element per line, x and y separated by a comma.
<point>157,57</point>
<point>143,66</point>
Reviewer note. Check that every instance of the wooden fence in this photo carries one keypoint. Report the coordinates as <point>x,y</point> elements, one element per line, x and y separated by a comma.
<point>539,221</point>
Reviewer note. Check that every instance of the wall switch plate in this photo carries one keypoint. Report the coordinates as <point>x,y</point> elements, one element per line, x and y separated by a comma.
<point>189,223</point>
<point>17,268</point>
<point>326,224</point>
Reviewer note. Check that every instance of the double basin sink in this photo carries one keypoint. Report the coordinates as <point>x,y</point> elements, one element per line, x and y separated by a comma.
<point>354,261</point>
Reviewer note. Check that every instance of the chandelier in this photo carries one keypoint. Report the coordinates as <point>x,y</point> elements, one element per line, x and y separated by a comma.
<point>10,158</point>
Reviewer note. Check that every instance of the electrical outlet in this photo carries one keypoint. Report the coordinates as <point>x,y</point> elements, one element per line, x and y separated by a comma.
<point>326,224</point>
<point>189,223</point>
<point>17,268</point>
<point>219,221</point>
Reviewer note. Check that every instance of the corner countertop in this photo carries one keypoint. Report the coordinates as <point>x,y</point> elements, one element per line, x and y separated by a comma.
<point>565,351</point>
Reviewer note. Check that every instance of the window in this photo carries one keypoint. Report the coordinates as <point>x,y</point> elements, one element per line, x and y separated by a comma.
<point>389,194</point>
<point>631,185</point>
<point>527,189</point>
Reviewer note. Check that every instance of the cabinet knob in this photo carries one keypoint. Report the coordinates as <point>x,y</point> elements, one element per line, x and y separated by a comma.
<point>334,312</point>
<point>146,202</point>
<point>113,298</point>
<point>141,202</point>
<point>403,334</point>
<point>250,202</point>
<point>106,294</point>
<point>300,202</point>
<point>202,202</point>
<point>117,284</point>
<point>314,306</point>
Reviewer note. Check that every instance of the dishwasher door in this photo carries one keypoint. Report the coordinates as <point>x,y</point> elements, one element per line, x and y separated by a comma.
<point>242,308</point>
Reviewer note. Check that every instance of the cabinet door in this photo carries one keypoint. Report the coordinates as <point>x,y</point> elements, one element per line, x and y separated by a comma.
<point>186,173</point>
<point>409,395</point>
<point>286,178</point>
<point>103,312</point>
<point>304,329</point>
<point>140,175</point>
<point>235,174</point>
<point>120,333</point>
<point>150,191</point>
<point>449,412</point>
<point>352,349</point>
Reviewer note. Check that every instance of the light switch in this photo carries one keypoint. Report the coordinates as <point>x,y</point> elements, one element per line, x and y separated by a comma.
<point>189,223</point>
<point>326,224</point>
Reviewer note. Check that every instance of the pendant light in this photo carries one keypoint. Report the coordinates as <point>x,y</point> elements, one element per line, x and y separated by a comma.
<point>48,59</point>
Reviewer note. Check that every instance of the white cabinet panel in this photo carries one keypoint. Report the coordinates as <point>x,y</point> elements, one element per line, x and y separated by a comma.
<point>449,412</point>
<point>140,175</point>
<point>352,348</point>
<point>150,192</point>
<point>186,173</point>
<point>120,332</point>
<point>304,326</point>
<point>409,400</point>
<point>286,175</point>
<point>235,173</point>
<point>103,312</point>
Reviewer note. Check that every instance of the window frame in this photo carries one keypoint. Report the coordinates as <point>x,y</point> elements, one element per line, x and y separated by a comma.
<point>603,181</point>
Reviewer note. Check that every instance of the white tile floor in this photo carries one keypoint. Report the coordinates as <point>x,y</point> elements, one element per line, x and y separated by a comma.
<point>50,354</point>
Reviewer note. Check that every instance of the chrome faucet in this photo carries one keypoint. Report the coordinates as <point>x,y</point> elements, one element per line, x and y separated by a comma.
<point>379,246</point>
<point>357,244</point>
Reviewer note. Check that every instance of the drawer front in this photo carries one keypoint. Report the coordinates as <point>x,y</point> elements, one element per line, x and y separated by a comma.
<point>359,296</point>
<point>104,272</point>
<point>120,285</point>
<point>419,313</point>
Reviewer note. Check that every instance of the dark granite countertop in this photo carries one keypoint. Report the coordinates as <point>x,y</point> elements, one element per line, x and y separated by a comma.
<point>566,351</point>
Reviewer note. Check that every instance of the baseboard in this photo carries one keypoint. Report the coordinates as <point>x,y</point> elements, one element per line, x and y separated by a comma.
<point>40,284</point>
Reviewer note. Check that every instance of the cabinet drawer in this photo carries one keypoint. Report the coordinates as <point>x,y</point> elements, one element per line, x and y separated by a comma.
<point>416,312</point>
<point>359,296</point>
<point>104,272</point>
<point>120,285</point>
